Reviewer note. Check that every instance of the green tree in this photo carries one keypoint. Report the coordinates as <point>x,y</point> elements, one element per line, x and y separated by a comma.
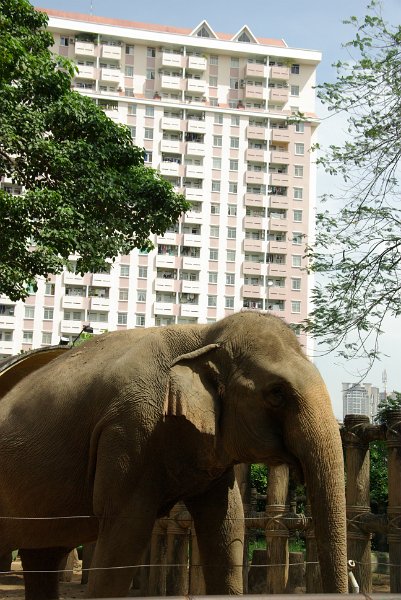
<point>87,189</point>
<point>358,244</point>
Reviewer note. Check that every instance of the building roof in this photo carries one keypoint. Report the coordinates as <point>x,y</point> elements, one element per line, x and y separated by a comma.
<point>153,27</point>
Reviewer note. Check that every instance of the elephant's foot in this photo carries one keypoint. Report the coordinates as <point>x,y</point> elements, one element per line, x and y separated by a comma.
<point>41,572</point>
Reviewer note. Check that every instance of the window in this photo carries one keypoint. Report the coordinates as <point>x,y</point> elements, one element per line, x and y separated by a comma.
<point>142,272</point>
<point>234,121</point>
<point>217,141</point>
<point>230,279</point>
<point>233,187</point>
<point>132,131</point>
<point>213,254</point>
<point>129,49</point>
<point>297,238</point>
<point>213,81</point>
<point>212,301</point>
<point>297,216</point>
<point>148,133</point>
<point>231,233</point>
<point>230,255</point>
<point>29,312</point>
<point>295,69</point>
<point>296,283</point>
<point>215,209</point>
<point>123,294</point>
<point>218,119</point>
<point>132,109</point>
<point>64,41</point>
<point>50,289</point>
<point>298,171</point>
<point>295,306</point>
<point>232,210</point>
<point>6,336</point>
<point>298,193</point>
<point>214,231</point>
<point>299,149</point>
<point>149,111</point>
<point>299,127</point>
<point>233,165</point>
<point>296,260</point>
<point>234,62</point>
<point>214,60</point>
<point>216,163</point>
<point>150,74</point>
<point>234,142</point>
<point>27,337</point>
<point>48,314</point>
<point>141,296</point>
<point>294,90</point>
<point>229,302</point>
<point>151,52</point>
<point>46,338</point>
<point>148,157</point>
<point>140,320</point>
<point>212,277</point>
<point>234,83</point>
<point>124,270</point>
<point>129,71</point>
<point>215,186</point>
<point>122,318</point>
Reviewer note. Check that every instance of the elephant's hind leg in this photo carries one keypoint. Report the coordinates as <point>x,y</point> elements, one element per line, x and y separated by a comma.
<point>41,572</point>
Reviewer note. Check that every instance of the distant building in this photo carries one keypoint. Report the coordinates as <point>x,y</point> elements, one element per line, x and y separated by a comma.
<point>360,399</point>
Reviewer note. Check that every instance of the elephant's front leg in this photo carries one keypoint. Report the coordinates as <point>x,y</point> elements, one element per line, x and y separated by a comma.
<point>219,524</point>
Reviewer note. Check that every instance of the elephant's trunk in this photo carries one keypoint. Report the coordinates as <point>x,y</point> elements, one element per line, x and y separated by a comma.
<point>320,453</point>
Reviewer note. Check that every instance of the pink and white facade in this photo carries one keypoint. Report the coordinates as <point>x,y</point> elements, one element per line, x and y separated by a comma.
<point>212,112</point>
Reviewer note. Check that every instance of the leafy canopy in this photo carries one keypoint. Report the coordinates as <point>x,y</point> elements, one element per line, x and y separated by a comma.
<point>87,189</point>
<point>358,245</point>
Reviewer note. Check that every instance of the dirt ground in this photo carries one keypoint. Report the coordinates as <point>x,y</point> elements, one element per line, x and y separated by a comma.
<point>12,586</point>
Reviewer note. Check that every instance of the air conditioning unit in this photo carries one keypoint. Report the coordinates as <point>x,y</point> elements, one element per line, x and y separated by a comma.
<point>72,40</point>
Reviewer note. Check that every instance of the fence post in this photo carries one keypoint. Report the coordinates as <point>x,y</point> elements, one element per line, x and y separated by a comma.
<point>276,531</point>
<point>357,461</point>
<point>157,569</point>
<point>394,498</point>
<point>177,551</point>
<point>197,585</point>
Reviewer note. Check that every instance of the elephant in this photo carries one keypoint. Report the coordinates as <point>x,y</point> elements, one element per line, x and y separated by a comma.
<point>106,438</point>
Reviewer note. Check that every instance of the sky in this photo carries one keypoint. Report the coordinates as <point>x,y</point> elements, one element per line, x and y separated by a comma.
<point>312,24</point>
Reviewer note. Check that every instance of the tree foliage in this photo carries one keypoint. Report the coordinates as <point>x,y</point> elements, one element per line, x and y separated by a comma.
<point>358,241</point>
<point>87,189</point>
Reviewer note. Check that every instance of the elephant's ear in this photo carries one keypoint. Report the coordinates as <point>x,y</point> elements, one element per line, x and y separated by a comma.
<point>193,390</point>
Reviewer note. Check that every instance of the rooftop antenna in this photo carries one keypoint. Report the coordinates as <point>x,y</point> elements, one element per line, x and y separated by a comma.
<point>91,9</point>
<point>384,380</point>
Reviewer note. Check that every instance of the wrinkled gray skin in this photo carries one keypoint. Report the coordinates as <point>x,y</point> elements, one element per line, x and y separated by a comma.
<point>124,426</point>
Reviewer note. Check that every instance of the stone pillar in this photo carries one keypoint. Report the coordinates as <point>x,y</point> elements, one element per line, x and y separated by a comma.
<point>357,462</point>
<point>394,498</point>
<point>276,531</point>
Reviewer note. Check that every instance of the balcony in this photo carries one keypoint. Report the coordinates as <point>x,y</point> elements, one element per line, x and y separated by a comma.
<point>278,224</point>
<point>191,263</point>
<point>7,321</point>
<point>258,177</point>
<point>280,135</point>
<point>256,154</point>
<point>172,60</point>
<point>169,237</point>
<point>255,222</point>
<point>110,75</point>
<point>278,202</point>
<point>113,52</point>
<point>281,73</point>
<point>192,216</point>
<point>279,157</point>
<point>196,86</point>
<point>96,302</point>
<point>196,126</point>
<point>195,149</point>
<point>254,199</point>
<point>189,310</point>
<point>171,168</point>
<point>278,178</point>
<point>192,240</point>
<point>190,287</point>
<point>174,146</point>
<point>252,291</point>
<point>167,82</point>
<point>166,285</point>
<point>256,133</point>
<point>254,92</point>
<point>277,269</point>
<point>196,171</point>
<point>72,278</point>
<point>164,308</point>
<point>71,327</point>
<point>74,302</point>
<point>197,63</point>
<point>252,268</point>
<point>84,48</point>
<point>276,247</point>
<point>193,193</point>
<point>171,124</point>
<point>256,70</point>
<point>167,261</point>
<point>101,279</point>
<point>253,245</point>
<point>6,346</point>
<point>85,72</point>
<point>278,95</point>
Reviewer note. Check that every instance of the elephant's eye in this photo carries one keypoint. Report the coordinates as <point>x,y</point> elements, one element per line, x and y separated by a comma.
<point>275,397</point>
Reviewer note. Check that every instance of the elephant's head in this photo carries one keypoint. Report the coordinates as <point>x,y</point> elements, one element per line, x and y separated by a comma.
<point>252,387</point>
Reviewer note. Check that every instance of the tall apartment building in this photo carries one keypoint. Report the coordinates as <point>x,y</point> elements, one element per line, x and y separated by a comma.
<point>213,112</point>
<point>360,399</point>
